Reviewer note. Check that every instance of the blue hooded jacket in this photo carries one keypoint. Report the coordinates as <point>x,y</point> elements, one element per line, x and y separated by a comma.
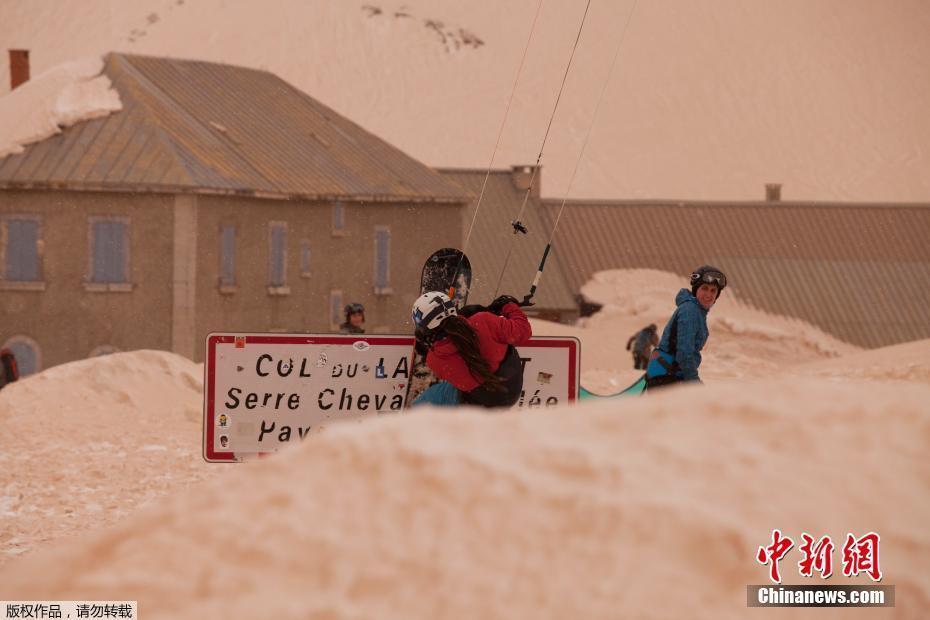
<point>691,320</point>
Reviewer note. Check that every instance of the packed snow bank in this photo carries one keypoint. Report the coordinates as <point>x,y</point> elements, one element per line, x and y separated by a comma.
<point>744,341</point>
<point>60,97</point>
<point>649,508</point>
<point>901,362</point>
<point>85,443</point>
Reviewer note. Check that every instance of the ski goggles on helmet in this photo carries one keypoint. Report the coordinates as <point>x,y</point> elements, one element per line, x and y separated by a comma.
<point>353,308</point>
<point>709,277</point>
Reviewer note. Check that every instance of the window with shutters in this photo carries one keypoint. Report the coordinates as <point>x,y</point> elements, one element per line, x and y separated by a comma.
<point>305,258</point>
<point>21,253</point>
<point>109,254</point>
<point>339,222</point>
<point>382,275</point>
<point>227,258</point>
<point>277,255</point>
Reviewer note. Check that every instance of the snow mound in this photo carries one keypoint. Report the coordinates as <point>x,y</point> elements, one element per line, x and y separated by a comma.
<point>908,362</point>
<point>60,97</point>
<point>84,443</point>
<point>571,512</point>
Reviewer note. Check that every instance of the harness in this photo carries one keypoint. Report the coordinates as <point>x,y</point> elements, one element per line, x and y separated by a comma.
<point>671,368</point>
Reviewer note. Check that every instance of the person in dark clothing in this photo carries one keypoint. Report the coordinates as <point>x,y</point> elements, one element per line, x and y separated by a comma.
<point>643,342</point>
<point>9,372</point>
<point>475,357</point>
<point>355,320</point>
<point>678,356</point>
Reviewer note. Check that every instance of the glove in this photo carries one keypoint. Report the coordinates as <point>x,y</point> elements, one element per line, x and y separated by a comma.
<point>423,340</point>
<point>498,304</point>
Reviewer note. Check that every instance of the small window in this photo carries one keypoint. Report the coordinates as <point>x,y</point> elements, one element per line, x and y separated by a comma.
<point>277,267</point>
<point>382,260</point>
<point>21,249</point>
<point>27,353</point>
<point>109,253</point>
<point>227,256</point>
<point>339,222</point>
<point>335,309</point>
<point>305,258</point>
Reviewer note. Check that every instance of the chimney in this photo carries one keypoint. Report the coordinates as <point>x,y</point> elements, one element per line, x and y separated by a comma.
<point>772,192</point>
<point>521,175</point>
<point>19,67</point>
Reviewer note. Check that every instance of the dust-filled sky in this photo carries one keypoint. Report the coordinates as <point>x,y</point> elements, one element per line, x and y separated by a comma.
<point>707,100</point>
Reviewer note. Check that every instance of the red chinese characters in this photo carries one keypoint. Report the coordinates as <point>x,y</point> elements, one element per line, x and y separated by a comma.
<point>774,553</point>
<point>861,556</point>
<point>817,556</point>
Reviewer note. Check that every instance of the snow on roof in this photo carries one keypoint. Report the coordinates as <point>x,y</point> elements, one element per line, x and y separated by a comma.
<point>60,97</point>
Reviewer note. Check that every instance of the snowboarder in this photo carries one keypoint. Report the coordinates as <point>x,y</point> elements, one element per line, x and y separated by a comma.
<point>355,319</point>
<point>473,357</point>
<point>643,342</point>
<point>679,354</point>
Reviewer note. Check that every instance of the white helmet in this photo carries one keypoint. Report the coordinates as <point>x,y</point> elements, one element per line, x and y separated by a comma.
<point>431,309</point>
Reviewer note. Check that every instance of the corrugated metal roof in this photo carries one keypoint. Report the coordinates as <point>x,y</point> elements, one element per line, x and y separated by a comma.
<point>205,127</point>
<point>859,271</point>
<point>492,238</point>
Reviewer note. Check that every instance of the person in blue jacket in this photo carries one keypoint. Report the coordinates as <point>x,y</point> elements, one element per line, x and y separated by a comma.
<point>678,356</point>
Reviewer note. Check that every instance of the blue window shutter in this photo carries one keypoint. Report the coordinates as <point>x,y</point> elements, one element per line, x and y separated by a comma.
<point>338,216</point>
<point>305,257</point>
<point>119,252</point>
<point>278,244</point>
<point>22,251</point>
<point>228,256</point>
<point>382,254</point>
<point>109,251</point>
<point>100,230</point>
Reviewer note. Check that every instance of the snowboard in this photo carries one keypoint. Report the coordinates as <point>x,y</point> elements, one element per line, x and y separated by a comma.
<point>447,270</point>
<point>635,389</point>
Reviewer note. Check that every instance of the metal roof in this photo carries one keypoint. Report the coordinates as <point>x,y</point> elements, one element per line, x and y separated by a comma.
<point>492,238</point>
<point>211,128</point>
<point>859,271</point>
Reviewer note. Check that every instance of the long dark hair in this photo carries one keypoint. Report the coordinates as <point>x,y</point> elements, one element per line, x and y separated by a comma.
<point>466,341</point>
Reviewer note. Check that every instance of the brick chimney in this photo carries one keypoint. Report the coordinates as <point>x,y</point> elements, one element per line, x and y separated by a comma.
<point>772,192</point>
<point>19,67</point>
<point>521,175</point>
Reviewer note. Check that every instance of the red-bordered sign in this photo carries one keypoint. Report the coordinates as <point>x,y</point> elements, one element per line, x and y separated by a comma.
<point>261,391</point>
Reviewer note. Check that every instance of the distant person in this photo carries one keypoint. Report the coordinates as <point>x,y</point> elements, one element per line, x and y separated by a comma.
<point>224,421</point>
<point>475,357</point>
<point>643,342</point>
<point>355,319</point>
<point>224,441</point>
<point>679,354</point>
<point>9,371</point>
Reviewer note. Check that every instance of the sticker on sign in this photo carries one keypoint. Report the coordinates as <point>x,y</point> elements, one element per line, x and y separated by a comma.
<point>262,391</point>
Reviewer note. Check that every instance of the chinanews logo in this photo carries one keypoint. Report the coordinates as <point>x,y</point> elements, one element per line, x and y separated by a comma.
<point>860,555</point>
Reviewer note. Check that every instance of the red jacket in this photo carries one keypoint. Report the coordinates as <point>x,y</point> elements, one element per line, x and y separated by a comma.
<point>494,334</point>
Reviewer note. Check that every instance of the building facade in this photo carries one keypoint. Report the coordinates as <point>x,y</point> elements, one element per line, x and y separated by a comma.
<point>151,228</point>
